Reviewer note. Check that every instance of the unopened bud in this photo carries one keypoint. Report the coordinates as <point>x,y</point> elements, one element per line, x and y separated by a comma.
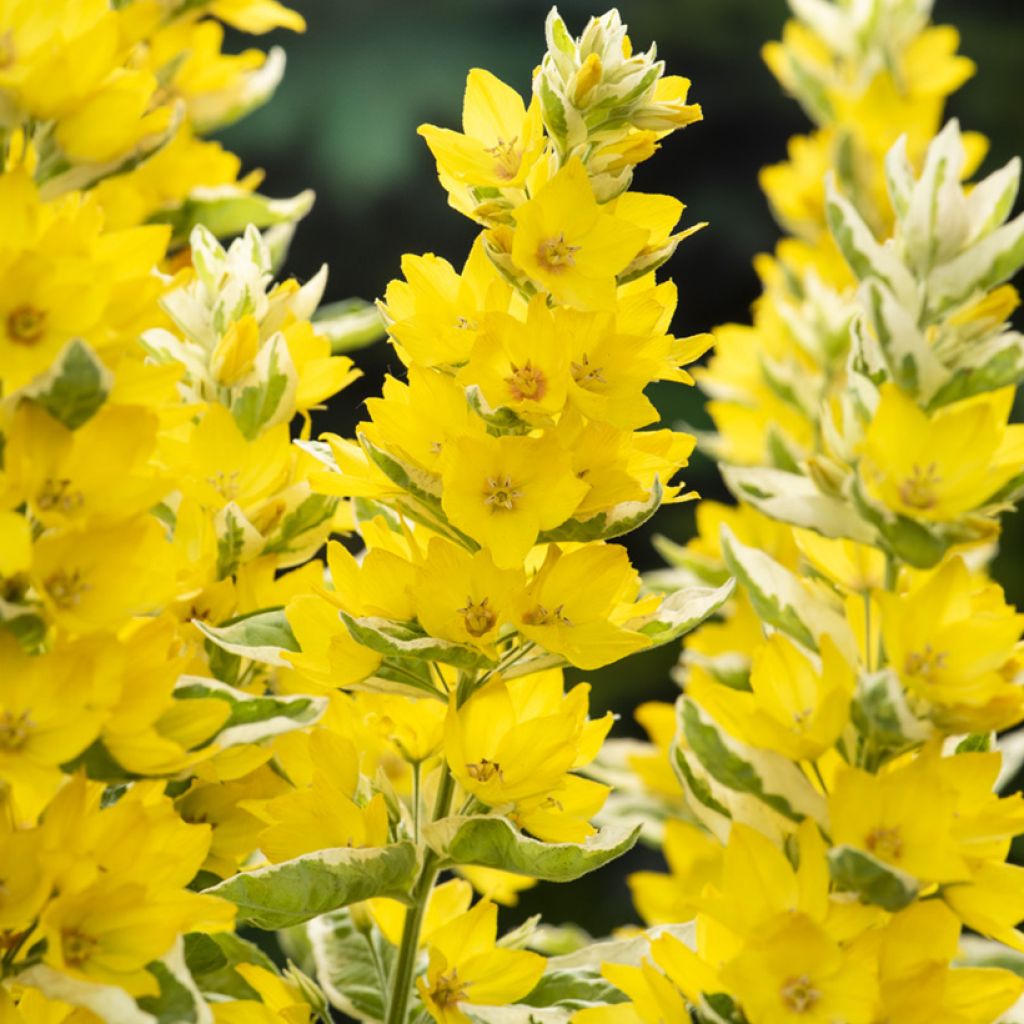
<point>586,79</point>
<point>233,357</point>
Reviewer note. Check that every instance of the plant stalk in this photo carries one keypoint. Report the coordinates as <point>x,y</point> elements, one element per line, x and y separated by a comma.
<point>402,973</point>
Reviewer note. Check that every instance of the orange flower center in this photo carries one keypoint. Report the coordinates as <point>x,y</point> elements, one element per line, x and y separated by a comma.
<point>527,382</point>
<point>478,617</point>
<point>26,325</point>
<point>799,994</point>
<point>556,255</point>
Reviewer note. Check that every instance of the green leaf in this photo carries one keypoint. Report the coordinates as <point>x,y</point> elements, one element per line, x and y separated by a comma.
<point>574,989</point>
<point>976,743</point>
<point>911,359</point>
<point>874,882</point>
<point>312,512</point>
<point>353,964</point>
<point>407,640</point>
<point>648,260</point>
<point>493,842</point>
<point>228,210</point>
<point>252,718</point>
<point>212,959</point>
<point>262,404</point>
<point>793,498</point>
<point>885,724</point>
<point>986,365</point>
<point>553,110</point>
<point>74,387</point>
<point>861,250</point>
<point>280,895</point>
<point>782,600</point>
<point>175,1004</point>
<point>978,952</point>
<point>235,534</point>
<point>770,778</point>
<point>615,522</point>
<point>99,764</point>
<point>349,325</point>
<point>261,636</point>
<point>991,261</point>
<point>682,611</point>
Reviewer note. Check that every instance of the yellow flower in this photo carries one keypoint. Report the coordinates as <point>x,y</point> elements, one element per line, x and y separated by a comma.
<point>793,707</point>
<point>919,986</point>
<point>854,567</point>
<point>466,966</point>
<point>415,727</point>
<point>109,932</point>
<point>27,882</point>
<point>445,902</point>
<point>224,806</point>
<point>694,859</point>
<point>416,420</point>
<point>794,971</point>
<point>502,887</point>
<point>513,742</point>
<point>521,365</point>
<point>324,814</point>
<point>92,579</point>
<point>569,246</point>
<point>501,140</point>
<point>574,604</point>
<point>503,491</point>
<point>461,596</point>
<point>281,1002</point>
<point>953,641</point>
<point>328,656</point>
<point>46,719</point>
<point>217,465</point>
<point>435,313</point>
<point>257,16</point>
<point>938,467</point>
<point>903,816</point>
<point>56,471</point>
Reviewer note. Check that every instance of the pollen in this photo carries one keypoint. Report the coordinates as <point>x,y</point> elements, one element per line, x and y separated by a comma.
<point>14,730</point>
<point>66,588</point>
<point>541,616</point>
<point>77,947</point>
<point>919,489</point>
<point>556,255</point>
<point>507,158</point>
<point>886,842</point>
<point>56,495</point>
<point>526,382</point>
<point>26,325</point>
<point>925,664</point>
<point>484,770</point>
<point>501,493</point>
<point>478,617</point>
<point>798,994</point>
<point>584,374</point>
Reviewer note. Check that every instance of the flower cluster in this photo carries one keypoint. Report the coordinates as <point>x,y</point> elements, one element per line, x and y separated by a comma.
<point>202,724</point>
<point>148,487</point>
<point>488,485</point>
<point>827,788</point>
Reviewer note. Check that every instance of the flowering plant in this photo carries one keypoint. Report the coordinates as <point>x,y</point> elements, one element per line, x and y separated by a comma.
<point>256,681</point>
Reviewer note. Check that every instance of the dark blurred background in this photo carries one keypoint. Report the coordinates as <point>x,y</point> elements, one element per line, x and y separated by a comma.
<point>344,123</point>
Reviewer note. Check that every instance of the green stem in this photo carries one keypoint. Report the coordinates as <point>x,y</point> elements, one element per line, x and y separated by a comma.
<point>416,798</point>
<point>405,965</point>
<point>892,575</point>
<point>867,629</point>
